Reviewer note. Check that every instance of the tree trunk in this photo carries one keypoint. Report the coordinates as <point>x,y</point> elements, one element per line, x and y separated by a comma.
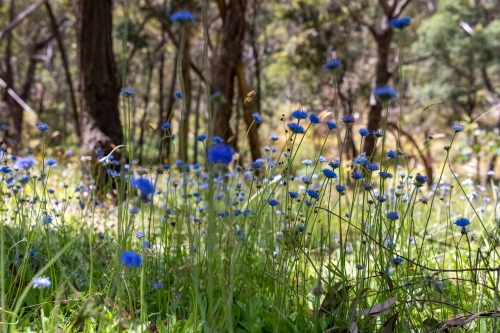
<point>382,76</point>
<point>98,85</point>
<point>226,63</point>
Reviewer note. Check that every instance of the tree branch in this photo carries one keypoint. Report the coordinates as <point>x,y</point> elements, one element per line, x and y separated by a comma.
<point>385,6</point>
<point>55,29</point>
<point>370,26</point>
<point>166,27</point>
<point>222,9</point>
<point>19,18</point>
<point>401,7</point>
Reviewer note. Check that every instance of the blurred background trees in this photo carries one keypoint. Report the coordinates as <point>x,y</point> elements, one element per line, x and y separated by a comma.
<point>53,64</point>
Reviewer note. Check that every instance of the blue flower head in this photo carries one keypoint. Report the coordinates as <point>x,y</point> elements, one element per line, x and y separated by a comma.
<point>5,169</point>
<point>127,92</point>
<point>313,194</point>
<point>131,259</point>
<point>364,132</point>
<point>220,154</point>
<point>392,216</point>
<point>41,282</point>
<point>458,128</point>
<point>329,173</point>
<point>4,127</point>
<point>273,202</point>
<point>182,16</point>
<point>400,23</point>
<point>145,186</point>
<point>372,166</point>
<point>257,164</point>
<point>257,118</point>
<point>378,133</point>
<point>201,137</point>
<point>420,180</point>
<point>384,93</point>
<point>462,222</point>
<point>332,64</point>
<point>218,140</point>
<point>49,161</point>
<point>348,119</point>
<point>331,125</point>
<point>335,164</point>
<point>299,114</point>
<point>391,154</point>
<point>314,119</point>
<point>385,175</point>
<point>274,138</point>
<point>397,261</point>
<point>340,189</point>
<point>356,175</point>
<point>293,195</point>
<point>43,127</point>
<point>24,163</point>
<point>166,126</point>
<point>296,128</point>
<point>178,94</point>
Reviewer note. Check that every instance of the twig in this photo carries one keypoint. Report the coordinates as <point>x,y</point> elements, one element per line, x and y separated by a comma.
<point>19,18</point>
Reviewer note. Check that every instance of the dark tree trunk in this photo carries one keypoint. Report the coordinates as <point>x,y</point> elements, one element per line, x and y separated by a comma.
<point>98,85</point>
<point>226,64</point>
<point>382,76</point>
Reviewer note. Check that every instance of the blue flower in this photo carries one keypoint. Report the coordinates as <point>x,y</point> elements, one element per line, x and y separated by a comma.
<point>340,189</point>
<point>257,164</point>
<point>127,92</point>
<point>357,175</point>
<point>220,154</point>
<point>381,198</point>
<point>47,219</point>
<point>367,186</point>
<point>385,175</point>
<point>332,64</point>
<point>274,137</point>
<point>307,162</point>
<point>218,140</point>
<point>331,125</point>
<point>166,126</point>
<point>41,282</point>
<point>372,166</point>
<point>182,16</point>
<point>400,23</point>
<point>397,261</point>
<point>462,222</point>
<point>43,127</point>
<point>166,166</point>
<point>299,114</point>
<point>458,128</point>
<point>420,180</point>
<point>334,164</point>
<point>257,117</point>
<point>329,173</point>
<point>296,128</point>
<point>378,134</point>
<point>293,195</point>
<point>133,210</point>
<point>178,94</point>
<point>314,119</point>
<point>364,132</point>
<point>359,267</point>
<point>49,161</point>
<point>131,259</point>
<point>301,228</point>
<point>201,137</point>
<point>348,119</point>
<point>144,185</point>
<point>361,160</point>
<point>139,234</point>
<point>393,216</point>
<point>313,194</point>
<point>4,127</point>
<point>273,202</point>
<point>321,159</point>
<point>391,154</point>
<point>158,285</point>
<point>384,93</point>
<point>308,203</point>
<point>24,163</point>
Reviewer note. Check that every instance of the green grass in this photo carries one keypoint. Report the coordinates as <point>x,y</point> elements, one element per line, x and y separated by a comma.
<point>228,261</point>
